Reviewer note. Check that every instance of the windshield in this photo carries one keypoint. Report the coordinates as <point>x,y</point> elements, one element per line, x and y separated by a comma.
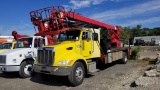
<point>6,46</point>
<point>24,43</point>
<point>69,35</point>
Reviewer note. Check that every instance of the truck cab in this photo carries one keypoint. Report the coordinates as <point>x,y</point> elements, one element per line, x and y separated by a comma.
<point>22,57</point>
<point>71,54</point>
<point>77,53</point>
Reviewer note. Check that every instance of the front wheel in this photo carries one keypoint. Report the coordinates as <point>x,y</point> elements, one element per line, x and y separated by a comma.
<point>77,74</point>
<point>26,69</point>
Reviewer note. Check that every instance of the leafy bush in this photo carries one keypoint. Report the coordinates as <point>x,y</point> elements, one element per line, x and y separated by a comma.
<point>135,52</point>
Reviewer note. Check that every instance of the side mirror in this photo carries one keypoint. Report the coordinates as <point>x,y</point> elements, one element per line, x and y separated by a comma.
<point>41,43</point>
<point>89,32</point>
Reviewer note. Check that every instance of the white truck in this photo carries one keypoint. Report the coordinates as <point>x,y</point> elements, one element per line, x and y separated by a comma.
<point>22,58</point>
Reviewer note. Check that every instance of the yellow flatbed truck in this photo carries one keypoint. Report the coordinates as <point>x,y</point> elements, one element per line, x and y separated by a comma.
<point>82,44</point>
<point>77,53</point>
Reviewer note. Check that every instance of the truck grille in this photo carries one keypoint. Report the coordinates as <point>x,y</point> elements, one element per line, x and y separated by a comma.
<point>46,57</point>
<point>2,59</point>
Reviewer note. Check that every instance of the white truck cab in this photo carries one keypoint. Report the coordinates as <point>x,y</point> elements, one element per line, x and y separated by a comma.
<point>21,58</point>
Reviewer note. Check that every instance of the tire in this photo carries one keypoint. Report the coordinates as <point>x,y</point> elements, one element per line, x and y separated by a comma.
<point>77,74</point>
<point>124,59</point>
<point>26,69</point>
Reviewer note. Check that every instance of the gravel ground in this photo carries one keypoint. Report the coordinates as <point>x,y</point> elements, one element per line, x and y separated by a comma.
<point>150,54</point>
<point>114,77</point>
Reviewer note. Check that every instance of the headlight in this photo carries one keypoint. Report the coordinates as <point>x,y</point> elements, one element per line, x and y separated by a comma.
<point>68,62</point>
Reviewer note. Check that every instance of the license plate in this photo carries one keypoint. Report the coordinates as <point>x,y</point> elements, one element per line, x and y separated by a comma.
<point>44,68</point>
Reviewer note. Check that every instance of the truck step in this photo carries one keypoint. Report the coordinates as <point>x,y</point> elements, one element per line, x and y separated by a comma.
<point>92,67</point>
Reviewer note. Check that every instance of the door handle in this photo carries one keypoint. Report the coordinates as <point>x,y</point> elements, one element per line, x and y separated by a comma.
<point>69,48</point>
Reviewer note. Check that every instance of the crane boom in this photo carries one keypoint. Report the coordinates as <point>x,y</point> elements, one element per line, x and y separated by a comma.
<point>81,18</point>
<point>54,20</point>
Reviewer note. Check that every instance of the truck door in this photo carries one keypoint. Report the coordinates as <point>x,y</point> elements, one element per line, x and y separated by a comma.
<point>86,44</point>
<point>36,44</point>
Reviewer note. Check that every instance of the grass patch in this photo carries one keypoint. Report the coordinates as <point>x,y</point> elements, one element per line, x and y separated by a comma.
<point>135,52</point>
<point>145,60</point>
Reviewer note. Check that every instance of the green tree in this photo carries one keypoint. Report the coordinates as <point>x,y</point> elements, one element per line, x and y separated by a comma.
<point>125,34</point>
<point>146,31</point>
<point>128,33</point>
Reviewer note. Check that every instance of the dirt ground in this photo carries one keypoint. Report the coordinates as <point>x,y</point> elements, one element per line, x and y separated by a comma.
<point>113,77</point>
<point>149,54</point>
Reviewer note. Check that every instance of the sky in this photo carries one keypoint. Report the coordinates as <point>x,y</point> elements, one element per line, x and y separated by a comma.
<point>14,14</point>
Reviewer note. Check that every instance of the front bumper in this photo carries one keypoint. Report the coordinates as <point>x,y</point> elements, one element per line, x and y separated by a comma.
<point>8,68</point>
<point>59,71</point>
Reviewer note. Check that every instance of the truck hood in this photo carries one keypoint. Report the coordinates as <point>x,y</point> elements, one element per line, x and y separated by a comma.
<point>63,44</point>
<point>15,51</point>
<point>17,55</point>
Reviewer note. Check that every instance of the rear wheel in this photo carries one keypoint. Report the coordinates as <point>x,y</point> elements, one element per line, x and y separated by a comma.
<point>77,74</point>
<point>124,59</point>
<point>26,69</point>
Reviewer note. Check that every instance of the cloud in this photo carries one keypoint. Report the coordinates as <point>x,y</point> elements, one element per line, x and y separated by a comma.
<point>19,27</point>
<point>144,8</point>
<point>127,14</point>
<point>24,29</point>
<point>77,4</point>
<point>116,0</point>
<point>145,21</point>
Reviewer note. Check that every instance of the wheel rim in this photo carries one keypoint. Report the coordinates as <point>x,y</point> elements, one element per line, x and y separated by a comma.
<point>28,69</point>
<point>125,59</point>
<point>79,74</point>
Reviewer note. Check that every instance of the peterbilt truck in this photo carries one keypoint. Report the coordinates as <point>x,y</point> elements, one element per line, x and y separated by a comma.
<point>82,44</point>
